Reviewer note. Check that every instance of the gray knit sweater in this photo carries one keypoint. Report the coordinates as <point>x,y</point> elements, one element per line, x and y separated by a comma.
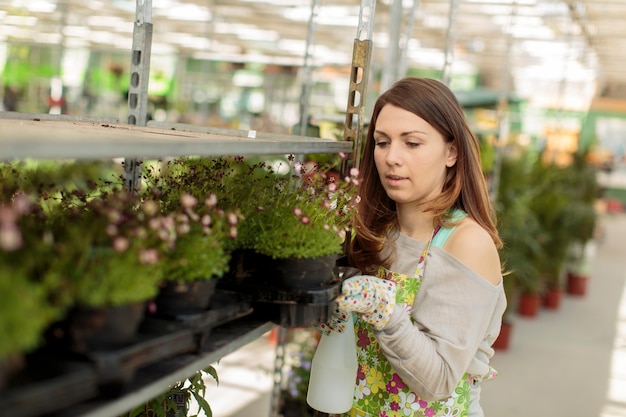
<point>456,317</point>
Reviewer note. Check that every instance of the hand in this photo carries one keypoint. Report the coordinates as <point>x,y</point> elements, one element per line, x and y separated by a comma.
<point>336,322</point>
<point>374,298</point>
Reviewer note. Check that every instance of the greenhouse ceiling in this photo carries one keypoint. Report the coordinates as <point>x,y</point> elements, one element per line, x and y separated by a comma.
<point>560,53</point>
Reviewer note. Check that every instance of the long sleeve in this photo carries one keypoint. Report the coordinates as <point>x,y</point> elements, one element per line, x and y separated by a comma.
<point>456,316</point>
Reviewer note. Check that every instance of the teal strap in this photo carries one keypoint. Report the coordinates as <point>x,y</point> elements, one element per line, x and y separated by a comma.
<point>444,233</point>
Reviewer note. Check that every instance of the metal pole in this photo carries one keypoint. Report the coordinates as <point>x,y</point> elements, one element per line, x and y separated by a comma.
<point>450,42</point>
<point>138,88</point>
<point>359,74</point>
<point>403,66</point>
<point>390,68</point>
<point>502,121</point>
<point>307,70</point>
<point>279,363</point>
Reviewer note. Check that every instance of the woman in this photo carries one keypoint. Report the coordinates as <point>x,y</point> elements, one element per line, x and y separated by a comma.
<point>431,302</point>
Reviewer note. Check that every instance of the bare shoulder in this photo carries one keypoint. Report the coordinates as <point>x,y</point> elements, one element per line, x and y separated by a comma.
<point>472,245</point>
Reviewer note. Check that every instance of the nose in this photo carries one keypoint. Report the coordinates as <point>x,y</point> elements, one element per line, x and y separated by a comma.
<point>394,154</point>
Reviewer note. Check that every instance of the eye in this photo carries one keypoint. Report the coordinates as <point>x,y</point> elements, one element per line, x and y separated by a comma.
<point>381,142</point>
<point>412,144</point>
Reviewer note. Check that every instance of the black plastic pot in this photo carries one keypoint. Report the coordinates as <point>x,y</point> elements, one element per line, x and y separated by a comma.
<point>180,298</point>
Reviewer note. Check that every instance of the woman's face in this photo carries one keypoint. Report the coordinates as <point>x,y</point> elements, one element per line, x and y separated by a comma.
<point>410,155</point>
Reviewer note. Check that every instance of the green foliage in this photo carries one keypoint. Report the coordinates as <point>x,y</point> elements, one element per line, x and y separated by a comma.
<point>180,395</point>
<point>299,356</point>
<point>107,246</point>
<point>285,212</point>
<point>205,231</point>
<point>518,226</point>
<point>34,295</point>
<point>543,210</point>
<point>30,294</point>
<point>297,214</point>
<point>40,177</point>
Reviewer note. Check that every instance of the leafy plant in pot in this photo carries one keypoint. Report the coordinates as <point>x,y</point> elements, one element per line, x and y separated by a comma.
<point>292,227</point>
<point>205,234</point>
<point>36,296</point>
<point>287,213</point>
<point>519,229</point>
<point>108,248</point>
<point>29,306</point>
<point>581,222</point>
<point>295,223</point>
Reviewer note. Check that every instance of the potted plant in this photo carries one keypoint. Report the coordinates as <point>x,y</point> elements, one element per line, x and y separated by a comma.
<point>28,306</point>
<point>299,220</point>
<point>178,398</point>
<point>301,346</point>
<point>108,245</point>
<point>519,229</point>
<point>34,297</point>
<point>582,219</point>
<point>201,252</point>
<point>287,213</point>
<point>549,205</point>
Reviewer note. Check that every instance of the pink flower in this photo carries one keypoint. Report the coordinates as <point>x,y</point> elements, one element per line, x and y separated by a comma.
<point>120,244</point>
<point>395,384</point>
<point>148,256</point>
<point>111,230</point>
<point>305,220</point>
<point>21,203</point>
<point>297,212</point>
<point>183,228</point>
<point>206,220</point>
<point>188,201</point>
<point>211,200</point>
<point>232,218</point>
<point>10,238</point>
<point>364,339</point>
<point>150,207</point>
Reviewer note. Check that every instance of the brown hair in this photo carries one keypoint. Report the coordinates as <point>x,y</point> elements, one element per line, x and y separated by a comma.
<point>464,187</point>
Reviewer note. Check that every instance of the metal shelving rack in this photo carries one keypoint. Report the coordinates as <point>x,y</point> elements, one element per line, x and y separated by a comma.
<point>43,136</point>
<point>30,136</point>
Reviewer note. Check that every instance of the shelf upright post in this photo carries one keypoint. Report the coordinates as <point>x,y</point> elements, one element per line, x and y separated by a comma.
<point>359,74</point>
<point>307,70</point>
<point>138,88</point>
<point>450,42</point>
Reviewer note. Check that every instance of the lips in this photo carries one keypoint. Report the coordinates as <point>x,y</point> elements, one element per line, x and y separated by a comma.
<point>394,180</point>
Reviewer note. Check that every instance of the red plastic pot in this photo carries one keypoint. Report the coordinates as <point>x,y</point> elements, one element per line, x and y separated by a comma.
<point>576,284</point>
<point>529,305</point>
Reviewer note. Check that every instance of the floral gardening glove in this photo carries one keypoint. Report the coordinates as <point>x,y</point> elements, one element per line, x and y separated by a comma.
<point>336,322</point>
<point>374,298</point>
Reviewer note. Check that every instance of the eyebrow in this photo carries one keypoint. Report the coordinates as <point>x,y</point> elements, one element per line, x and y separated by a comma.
<point>380,132</point>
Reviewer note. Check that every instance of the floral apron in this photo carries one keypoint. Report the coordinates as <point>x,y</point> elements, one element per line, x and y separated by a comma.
<point>380,391</point>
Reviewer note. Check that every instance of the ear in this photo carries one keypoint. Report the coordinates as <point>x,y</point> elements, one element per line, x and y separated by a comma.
<point>451,154</point>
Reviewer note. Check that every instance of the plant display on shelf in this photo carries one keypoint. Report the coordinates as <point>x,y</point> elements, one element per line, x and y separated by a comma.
<point>179,398</point>
<point>109,245</point>
<point>298,214</point>
<point>205,231</point>
<point>26,247</point>
<point>34,296</point>
<point>286,211</point>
